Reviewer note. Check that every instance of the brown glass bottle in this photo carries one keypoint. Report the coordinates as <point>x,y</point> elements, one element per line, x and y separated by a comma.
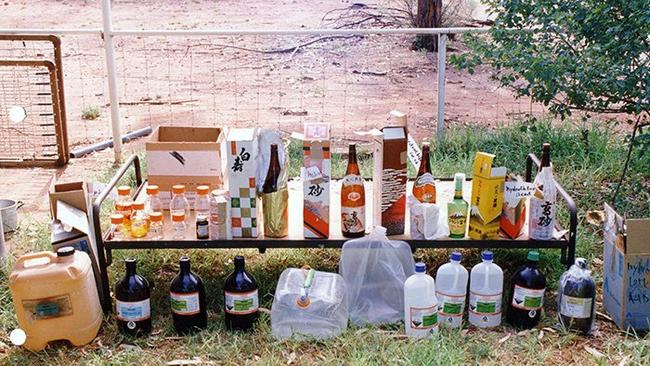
<point>546,156</point>
<point>353,199</point>
<point>424,187</point>
<point>273,175</point>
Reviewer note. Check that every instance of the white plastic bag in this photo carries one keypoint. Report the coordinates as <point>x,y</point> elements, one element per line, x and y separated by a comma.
<point>576,299</point>
<point>427,220</point>
<point>375,269</point>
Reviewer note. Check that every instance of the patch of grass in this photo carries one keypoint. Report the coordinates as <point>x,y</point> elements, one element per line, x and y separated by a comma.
<point>587,163</point>
<point>91,112</point>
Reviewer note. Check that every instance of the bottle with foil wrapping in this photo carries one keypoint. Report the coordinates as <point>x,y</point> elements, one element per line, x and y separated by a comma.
<point>275,199</point>
<point>353,199</point>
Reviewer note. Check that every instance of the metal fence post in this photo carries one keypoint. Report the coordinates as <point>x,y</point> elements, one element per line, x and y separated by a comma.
<point>109,51</point>
<point>442,62</point>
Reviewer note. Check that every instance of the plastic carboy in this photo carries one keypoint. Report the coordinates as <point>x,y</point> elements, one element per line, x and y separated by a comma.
<point>485,293</point>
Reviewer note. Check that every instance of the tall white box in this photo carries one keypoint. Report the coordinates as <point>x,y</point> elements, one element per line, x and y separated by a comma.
<point>242,167</point>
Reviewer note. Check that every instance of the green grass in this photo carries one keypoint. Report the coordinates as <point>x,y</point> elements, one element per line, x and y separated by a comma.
<point>587,163</point>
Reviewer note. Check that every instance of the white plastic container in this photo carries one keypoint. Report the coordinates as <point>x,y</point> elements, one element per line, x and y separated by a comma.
<point>485,293</point>
<point>309,303</point>
<point>420,304</point>
<point>451,291</point>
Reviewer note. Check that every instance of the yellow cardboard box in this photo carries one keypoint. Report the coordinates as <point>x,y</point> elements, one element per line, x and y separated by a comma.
<point>487,197</point>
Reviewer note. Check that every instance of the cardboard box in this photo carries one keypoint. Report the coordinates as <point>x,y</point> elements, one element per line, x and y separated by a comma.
<point>242,172</point>
<point>626,284</point>
<point>389,179</point>
<point>515,195</point>
<point>487,197</point>
<point>75,194</point>
<point>184,155</point>
<point>316,180</point>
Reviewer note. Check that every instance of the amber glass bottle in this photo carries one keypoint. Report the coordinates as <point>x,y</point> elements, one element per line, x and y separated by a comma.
<point>273,175</point>
<point>353,199</point>
<point>424,187</point>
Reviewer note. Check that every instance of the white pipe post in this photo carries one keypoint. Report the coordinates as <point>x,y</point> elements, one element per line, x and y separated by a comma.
<point>442,64</point>
<point>3,250</point>
<point>112,79</point>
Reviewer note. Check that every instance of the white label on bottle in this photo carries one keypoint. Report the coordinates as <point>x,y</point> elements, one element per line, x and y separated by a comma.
<point>185,304</point>
<point>528,298</point>
<point>133,311</point>
<point>240,303</point>
<point>542,219</point>
<point>450,305</point>
<point>425,178</point>
<point>202,231</point>
<point>575,307</point>
<point>485,304</point>
<point>353,219</point>
<point>423,318</point>
<point>352,179</point>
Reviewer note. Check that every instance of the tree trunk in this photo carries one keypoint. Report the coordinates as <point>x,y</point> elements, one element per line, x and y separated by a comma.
<point>429,16</point>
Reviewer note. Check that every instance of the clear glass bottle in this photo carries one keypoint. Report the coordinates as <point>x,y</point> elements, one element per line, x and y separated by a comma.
<point>156,225</point>
<point>202,202</point>
<point>139,221</point>
<point>457,210</point>
<point>123,204</point>
<point>179,226</point>
<point>179,203</point>
<point>117,222</point>
<point>153,203</point>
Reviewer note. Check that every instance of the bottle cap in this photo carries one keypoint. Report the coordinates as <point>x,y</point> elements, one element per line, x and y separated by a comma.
<point>178,217</point>
<point>124,190</point>
<point>239,261</point>
<point>184,259</point>
<point>487,255</point>
<point>420,267</point>
<point>456,256</point>
<point>533,255</point>
<point>581,263</point>
<point>117,218</point>
<point>18,337</point>
<point>64,252</point>
<point>156,216</point>
<point>138,205</point>
<point>202,190</point>
<point>178,188</point>
<point>153,189</point>
<point>426,143</point>
<point>459,179</point>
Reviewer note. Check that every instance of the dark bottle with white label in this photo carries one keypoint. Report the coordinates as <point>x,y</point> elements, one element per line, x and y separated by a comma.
<point>133,302</point>
<point>187,299</point>
<point>527,294</point>
<point>241,301</point>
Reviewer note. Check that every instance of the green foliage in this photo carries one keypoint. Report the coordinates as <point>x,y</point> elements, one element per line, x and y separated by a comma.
<point>587,55</point>
<point>91,112</point>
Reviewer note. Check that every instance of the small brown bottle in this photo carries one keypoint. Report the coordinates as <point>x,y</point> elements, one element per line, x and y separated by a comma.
<point>353,199</point>
<point>424,187</point>
<point>273,175</point>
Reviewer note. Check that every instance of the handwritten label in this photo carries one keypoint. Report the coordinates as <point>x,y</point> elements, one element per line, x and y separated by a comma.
<point>514,191</point>
<point>313,173</point>
<point>638,277</point>
<point>413,151</point>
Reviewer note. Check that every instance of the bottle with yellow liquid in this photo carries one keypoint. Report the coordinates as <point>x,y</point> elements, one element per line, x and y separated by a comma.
<point>139,221</point>
<point>123,205</point>
<point>424,187</point>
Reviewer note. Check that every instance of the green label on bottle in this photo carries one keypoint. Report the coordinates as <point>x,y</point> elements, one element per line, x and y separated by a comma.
<point>430,320</point>
<point>451,308</point>
<point>486,307</point>
<point>241,303</point>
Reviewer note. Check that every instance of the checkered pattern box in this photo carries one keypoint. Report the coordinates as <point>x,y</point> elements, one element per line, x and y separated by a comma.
<point>241,144</point>
<point>316,180</point>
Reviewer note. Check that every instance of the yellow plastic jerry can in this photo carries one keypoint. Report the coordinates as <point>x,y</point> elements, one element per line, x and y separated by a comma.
<point>55,297</point>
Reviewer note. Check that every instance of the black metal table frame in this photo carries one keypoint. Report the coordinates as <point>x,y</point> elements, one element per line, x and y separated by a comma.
<point>104,248</point>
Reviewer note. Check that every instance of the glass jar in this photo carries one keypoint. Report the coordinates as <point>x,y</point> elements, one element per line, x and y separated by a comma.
<point>153,203</point>
<point>202,228</point>
<point>202,203</point>
<point>156,225</point>
<point>139,221</point>
<point>123,204</point>
<point>117,226</point>
<point>179,226</point>
<point>179,203</point>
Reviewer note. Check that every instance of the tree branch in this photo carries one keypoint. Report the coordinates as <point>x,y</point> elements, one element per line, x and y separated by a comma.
<point>627,159</point>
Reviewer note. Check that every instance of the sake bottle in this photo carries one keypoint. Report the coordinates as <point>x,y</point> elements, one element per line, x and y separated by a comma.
<point>353,199</point>
<point>241,302</point>
<point>187,297</point>
<point>132,302</point>
<point>527,294</point>
<point>541,221</point>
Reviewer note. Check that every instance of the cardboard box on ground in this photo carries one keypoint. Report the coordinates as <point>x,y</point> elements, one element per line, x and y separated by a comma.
<point>184,155</point>
<point>626,283</point>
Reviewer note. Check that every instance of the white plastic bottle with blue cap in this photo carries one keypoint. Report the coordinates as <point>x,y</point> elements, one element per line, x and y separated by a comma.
<point>485,293</point>
<point>451,291</point>
<point>420,304</point>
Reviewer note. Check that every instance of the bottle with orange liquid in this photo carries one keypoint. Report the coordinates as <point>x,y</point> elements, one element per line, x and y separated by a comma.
<point>424,187</point>
<point>123,205</point>
<point>353,199</point>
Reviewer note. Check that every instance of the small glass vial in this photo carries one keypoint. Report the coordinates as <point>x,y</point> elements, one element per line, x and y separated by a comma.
<point>123,204</point>
<point>202,227</point>
<point>117,221</point>
<point>156,225</point>
<point>153,203</point>
<point>179,203</point>
<point>139,221</point>
<point>178,224</point>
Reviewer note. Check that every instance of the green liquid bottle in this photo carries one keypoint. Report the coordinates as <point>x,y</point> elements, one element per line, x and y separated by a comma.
<point>457,209</point>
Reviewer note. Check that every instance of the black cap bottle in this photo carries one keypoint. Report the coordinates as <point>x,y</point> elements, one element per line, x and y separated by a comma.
<point>241,301</point>
<point>187,298</point>
<point>132,302</point>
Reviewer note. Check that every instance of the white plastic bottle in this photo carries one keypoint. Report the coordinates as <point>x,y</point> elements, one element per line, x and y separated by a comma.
<point>451,291</point>
<point>420,304</point>
<point>485,293</point>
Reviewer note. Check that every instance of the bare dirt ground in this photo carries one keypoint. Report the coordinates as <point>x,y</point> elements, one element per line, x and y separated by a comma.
<point>352,82</point>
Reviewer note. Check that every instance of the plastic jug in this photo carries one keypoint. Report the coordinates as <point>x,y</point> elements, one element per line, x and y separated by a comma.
<point>451,291</point>
<point>485,293</point>
<point>420,304</point>
<point>309,303</point>
<point>55,297</point>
